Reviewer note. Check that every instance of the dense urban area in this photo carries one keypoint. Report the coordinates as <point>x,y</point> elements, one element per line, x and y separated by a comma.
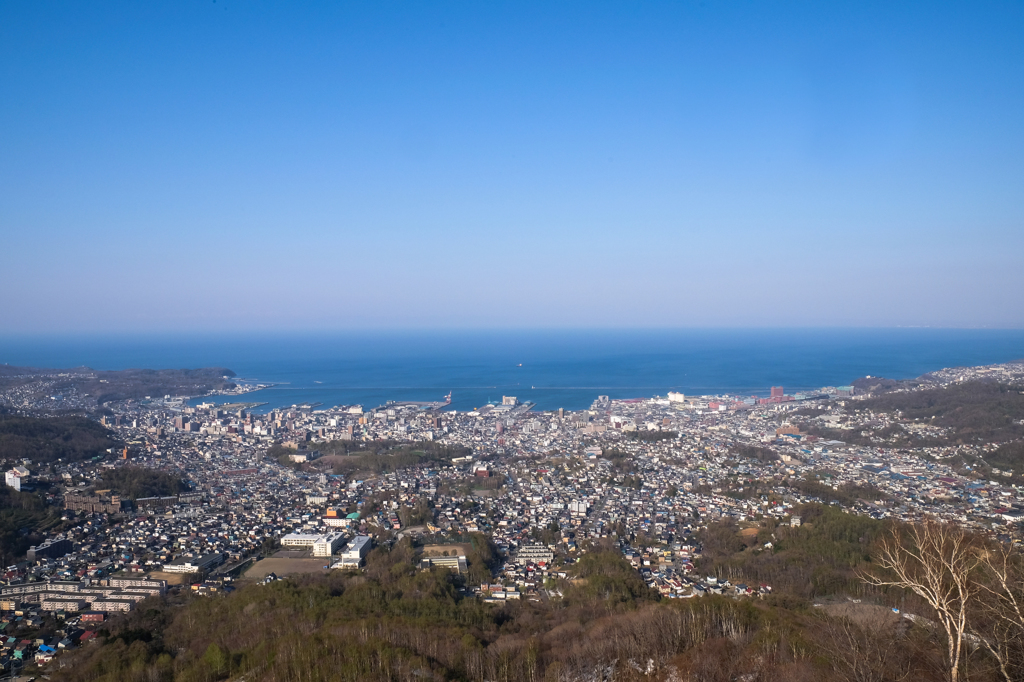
<point>119,495</point>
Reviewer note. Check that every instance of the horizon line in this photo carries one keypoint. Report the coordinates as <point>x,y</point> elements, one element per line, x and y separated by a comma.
<point>283,331</point>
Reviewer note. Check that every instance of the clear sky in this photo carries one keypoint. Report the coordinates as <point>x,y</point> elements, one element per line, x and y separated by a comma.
<point>238,165</point>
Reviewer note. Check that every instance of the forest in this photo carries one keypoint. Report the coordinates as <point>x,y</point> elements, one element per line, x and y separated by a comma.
<point>25,519</point>
<point>47,439</point>
<point>383,456</point>
<point>974,410</point>
<point>761,454</point>
<point>846,494</point>
<point>821,557</point>
<point>348,457</point>
<point>134,482</point>
<point>972,413</point>
<point>1007,456</point>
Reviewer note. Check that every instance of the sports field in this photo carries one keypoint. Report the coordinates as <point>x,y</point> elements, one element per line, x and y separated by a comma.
<point>282,566</point>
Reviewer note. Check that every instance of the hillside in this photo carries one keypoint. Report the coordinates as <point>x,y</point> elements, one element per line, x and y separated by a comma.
<point>975,410</point>
<point>817,559</point>
<point>985,416</point>
<point>82,387</point>
<point>47,439</point>
<point>394,622</point>
<point>25,519</point>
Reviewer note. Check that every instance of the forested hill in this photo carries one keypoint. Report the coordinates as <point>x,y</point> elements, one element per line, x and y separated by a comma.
<point>974,410</point>
<point>134,482</point>
<point>395,622</point>
<point>47,439</point>
<point>82,386</point>
<point>25,518</point>
<point>987,415</point>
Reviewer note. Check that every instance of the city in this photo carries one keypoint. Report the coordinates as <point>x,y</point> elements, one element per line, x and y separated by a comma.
<point>305,489</point>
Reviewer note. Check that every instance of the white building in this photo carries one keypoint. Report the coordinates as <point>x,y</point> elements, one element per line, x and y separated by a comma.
<point>354,553</point>
<point>326,545</point>
<point>299,539</point>
<point>534,554</point>
<point>15,477</point>
<point>457,563</point>
<point>322,545</point>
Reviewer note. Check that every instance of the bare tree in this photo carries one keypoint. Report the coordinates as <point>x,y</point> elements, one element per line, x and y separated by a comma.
<point>1000,621</point>
<point>869,651</point>
<point>937,562</point>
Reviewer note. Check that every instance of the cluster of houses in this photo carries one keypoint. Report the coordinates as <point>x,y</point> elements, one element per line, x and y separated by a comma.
<point>648,474</point>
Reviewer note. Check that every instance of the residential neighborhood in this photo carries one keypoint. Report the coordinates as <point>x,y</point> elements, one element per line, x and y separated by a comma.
<point>265,494</point>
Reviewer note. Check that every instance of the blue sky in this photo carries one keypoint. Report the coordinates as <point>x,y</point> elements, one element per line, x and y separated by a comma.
<point>247,165</point>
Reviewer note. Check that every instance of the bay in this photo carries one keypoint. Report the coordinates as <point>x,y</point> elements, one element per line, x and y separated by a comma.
<point>565,368</point>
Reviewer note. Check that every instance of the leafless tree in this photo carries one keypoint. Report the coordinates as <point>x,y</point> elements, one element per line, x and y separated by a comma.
<point>1000,618</point>
<point>868,651</point>
<point>937,562</point>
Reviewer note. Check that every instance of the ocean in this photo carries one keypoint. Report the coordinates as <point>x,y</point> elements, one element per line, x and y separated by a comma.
<point>550,368</point>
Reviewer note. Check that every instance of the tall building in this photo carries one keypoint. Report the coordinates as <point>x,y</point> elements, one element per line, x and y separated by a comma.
<point>777,391</point>
<point>353,554</point>
<point>15,477</point>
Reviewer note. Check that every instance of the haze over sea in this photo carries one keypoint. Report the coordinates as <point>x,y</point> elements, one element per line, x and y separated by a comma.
<point>551,368</point>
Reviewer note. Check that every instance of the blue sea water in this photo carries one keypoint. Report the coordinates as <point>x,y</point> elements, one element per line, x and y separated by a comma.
<point>551,368</point>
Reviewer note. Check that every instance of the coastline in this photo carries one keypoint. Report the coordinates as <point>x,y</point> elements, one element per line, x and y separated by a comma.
<point>553,369</point>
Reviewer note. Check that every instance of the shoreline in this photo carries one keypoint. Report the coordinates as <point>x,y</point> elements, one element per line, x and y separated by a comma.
<point>939,377</point>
